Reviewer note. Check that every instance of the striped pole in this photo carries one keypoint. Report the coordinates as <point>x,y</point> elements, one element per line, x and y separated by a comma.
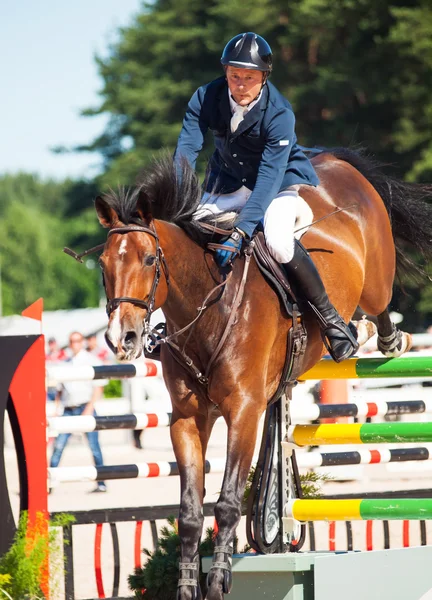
<point>132,471</point>
<point>306,460</point>
<point>381,408</point>
<point>87,423</point>
<point>353,433</point>
<point>359,509</point>
<point>312,460</point>
<point>361,368</point>
<point>64,373</point>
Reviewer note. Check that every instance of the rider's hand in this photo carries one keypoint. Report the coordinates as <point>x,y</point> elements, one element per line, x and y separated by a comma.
<point>231,248</point>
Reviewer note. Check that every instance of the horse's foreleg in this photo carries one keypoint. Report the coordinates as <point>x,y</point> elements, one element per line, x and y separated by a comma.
<point>189,438</point>
<point>391,341</point>
<point>242,430</point>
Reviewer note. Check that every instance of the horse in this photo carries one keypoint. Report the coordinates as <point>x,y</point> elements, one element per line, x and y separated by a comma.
<point>226,334</point>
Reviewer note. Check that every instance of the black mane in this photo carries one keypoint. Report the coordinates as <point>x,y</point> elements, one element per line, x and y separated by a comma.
<point>166,192</point>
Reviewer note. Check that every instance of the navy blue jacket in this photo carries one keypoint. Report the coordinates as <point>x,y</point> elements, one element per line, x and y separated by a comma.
<point>261,154</point>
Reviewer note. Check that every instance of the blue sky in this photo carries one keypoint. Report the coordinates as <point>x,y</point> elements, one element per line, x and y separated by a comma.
<point>48,74</point>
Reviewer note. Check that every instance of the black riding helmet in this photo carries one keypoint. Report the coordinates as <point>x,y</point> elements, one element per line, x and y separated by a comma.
<point>248,51</point>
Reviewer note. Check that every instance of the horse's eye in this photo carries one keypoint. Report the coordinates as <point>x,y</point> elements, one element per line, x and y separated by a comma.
<point>149,260</point>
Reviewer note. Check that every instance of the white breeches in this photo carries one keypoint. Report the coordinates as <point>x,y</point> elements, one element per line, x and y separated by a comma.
<point>279,218</point>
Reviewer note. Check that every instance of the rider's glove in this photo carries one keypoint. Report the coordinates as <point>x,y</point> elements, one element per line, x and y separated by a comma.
<point>231,249</point>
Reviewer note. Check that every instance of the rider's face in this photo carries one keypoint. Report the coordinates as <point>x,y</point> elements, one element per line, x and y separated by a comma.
<point>244,84</point>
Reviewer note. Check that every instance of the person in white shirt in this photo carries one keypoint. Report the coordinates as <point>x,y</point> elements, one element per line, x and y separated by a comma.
<point>78,398</point>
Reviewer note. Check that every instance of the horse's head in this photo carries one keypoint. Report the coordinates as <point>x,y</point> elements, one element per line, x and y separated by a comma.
<point>134,274</point>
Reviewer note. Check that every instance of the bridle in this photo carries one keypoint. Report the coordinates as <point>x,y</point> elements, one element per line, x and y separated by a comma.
<point>159,262</point>
<point>148,303</point>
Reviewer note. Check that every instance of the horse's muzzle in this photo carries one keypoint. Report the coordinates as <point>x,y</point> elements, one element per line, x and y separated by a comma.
<point>127,345</point>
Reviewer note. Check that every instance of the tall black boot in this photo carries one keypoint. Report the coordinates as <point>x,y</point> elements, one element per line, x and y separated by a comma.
<point>337,335</point>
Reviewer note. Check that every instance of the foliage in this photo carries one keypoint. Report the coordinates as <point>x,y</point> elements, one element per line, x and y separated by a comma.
<point>329,60</point>
<point>310,484</point>
<point>36,220</point>
<point>24,566</point>
<point>158,578</point>
<point>113,389</point>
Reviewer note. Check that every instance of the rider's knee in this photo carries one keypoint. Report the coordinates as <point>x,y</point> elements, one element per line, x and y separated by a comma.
<point>281,248</point>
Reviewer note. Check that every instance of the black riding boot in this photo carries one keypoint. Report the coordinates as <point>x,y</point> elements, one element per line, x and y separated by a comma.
<point>303,274</point>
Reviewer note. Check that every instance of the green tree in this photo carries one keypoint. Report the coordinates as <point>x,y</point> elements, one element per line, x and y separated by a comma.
<point>37,219</point>
<point>355,71</point>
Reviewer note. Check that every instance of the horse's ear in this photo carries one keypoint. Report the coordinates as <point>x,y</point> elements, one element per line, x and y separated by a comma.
<point>106,214</point>
<point>143,207</point>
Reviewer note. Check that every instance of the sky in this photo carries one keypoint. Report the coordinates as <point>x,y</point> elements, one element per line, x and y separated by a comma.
<point>48,75</point>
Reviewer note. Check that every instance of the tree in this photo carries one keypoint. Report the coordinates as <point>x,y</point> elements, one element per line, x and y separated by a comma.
<point>34,227</point>
<point>355,71</point>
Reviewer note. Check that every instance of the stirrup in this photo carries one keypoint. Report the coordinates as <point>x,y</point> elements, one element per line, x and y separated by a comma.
<point>341,326</point>
<point>354,343</point>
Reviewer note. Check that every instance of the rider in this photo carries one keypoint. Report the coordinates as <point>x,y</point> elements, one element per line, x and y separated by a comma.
<point>256,169</point>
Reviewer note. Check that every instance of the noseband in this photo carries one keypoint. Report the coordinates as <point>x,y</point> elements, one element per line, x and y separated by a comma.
<point>149,302</point>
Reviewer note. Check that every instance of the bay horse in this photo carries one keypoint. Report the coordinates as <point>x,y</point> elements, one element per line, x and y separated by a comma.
<point>156,256</point>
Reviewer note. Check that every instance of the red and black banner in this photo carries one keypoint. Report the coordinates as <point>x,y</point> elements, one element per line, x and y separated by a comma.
<point>23,396</point>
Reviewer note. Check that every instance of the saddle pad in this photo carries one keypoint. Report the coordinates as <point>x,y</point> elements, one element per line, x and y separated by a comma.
<point>273,273</point>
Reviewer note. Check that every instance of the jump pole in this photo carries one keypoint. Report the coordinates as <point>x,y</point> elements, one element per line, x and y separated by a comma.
<point>370,368</point>
<point>355,433</point>
<point>359,510</point>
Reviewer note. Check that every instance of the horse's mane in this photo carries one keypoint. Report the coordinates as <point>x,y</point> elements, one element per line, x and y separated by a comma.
<point>168,192</point>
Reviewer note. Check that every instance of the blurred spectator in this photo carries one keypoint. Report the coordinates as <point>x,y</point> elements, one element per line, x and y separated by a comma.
<point>78,398</point>
<point>54,354</point>
<point>96,350</point>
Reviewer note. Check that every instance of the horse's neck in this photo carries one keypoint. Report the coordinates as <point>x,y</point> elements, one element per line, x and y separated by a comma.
<point>190,278</point>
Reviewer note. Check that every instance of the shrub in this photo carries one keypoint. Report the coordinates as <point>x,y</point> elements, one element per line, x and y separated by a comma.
<point>23,569</point>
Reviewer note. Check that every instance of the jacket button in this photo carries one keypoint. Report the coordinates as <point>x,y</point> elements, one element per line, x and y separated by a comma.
<point>235,155</point>
<point>240,163</point>
<point>244,180</point>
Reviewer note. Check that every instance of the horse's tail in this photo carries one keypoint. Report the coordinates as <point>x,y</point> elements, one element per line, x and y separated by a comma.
<point>409,206</point>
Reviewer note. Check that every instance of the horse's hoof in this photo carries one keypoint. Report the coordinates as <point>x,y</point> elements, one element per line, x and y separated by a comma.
<point>365,330</point>
<point>396,345</point>
<point>196,593</point>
